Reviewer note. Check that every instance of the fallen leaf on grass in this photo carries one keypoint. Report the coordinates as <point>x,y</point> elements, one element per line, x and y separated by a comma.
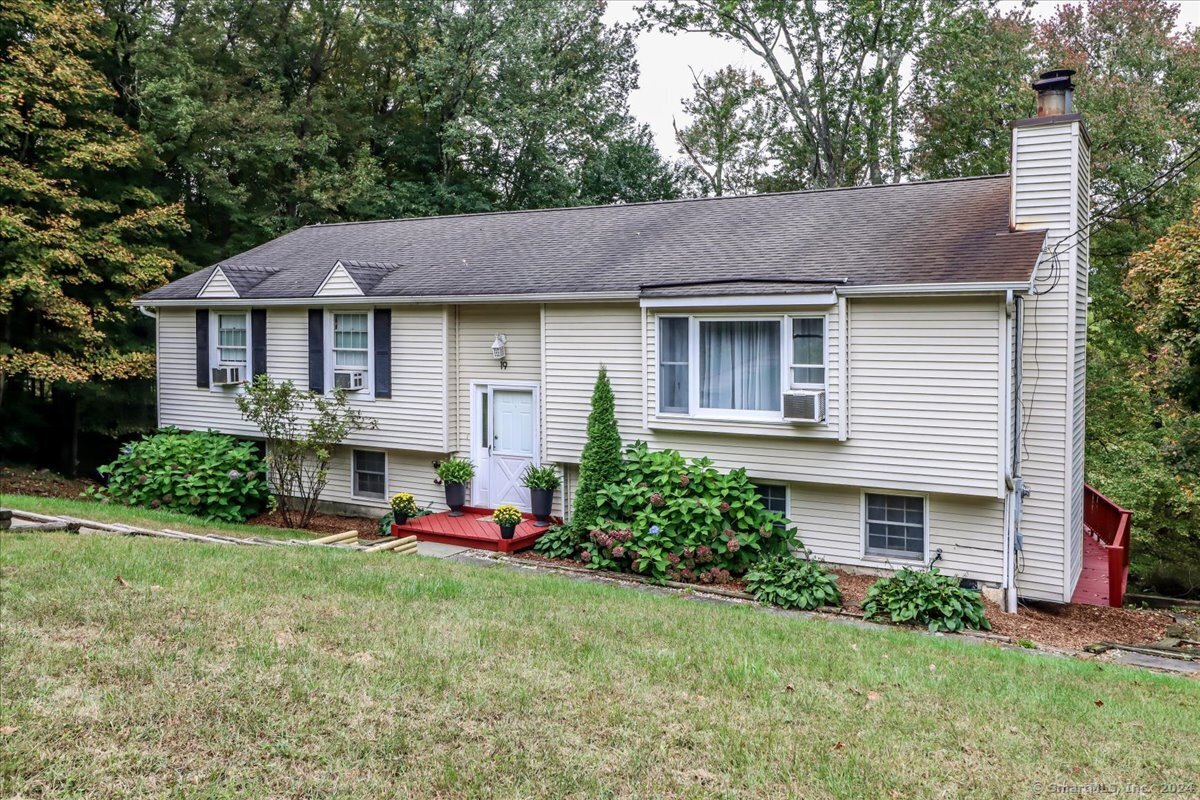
<point>839,745</point>
<point>121,581</point>
<point>8,729</point>
<point>933,667</point>
<point>1099,704</point>
<point>791,687</point>
<point>872,696</point>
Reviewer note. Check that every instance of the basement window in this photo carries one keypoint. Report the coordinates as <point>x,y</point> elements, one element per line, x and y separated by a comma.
<point>894,525</point>
<point>370,474</point>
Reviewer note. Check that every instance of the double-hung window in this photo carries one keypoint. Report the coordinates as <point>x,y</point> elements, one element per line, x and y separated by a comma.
<point>895,525</point>
<point>351,342</point>
<point>370,474</point>
<point>232,339</point>
<point>737,367</point>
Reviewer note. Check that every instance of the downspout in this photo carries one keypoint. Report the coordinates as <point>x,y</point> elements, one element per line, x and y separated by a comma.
<point>147,312</point>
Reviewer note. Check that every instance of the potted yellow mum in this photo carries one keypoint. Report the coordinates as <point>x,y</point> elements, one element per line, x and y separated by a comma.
<point>508,518</point>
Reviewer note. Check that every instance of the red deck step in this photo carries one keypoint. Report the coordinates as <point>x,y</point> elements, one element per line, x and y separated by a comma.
<point>473,529</point>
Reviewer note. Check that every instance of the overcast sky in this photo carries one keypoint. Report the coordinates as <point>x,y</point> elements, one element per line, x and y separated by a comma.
<point>665,60</point>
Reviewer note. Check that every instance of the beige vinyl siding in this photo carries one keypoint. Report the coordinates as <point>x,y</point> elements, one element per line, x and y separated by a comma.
<point>339,283</point>
<point>218,286</point>
<point>406,472</point>
<point>969,531</point>
<point>924,388</point>
<point>412,419</point>
<point>477,327</point>
<point>450,376</point>
<point>1046,196</point>
<point>1079,388</point>
<point>579,339</point>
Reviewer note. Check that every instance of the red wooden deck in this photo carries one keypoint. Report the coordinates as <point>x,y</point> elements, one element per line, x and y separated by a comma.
<point>470,530</point>
<point>1093,586</point>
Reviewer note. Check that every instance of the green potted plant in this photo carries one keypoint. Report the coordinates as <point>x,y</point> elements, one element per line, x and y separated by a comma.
<point>404,505</point>
<point>508,518</point>
<point>455,474</point>
<point>541,482</point>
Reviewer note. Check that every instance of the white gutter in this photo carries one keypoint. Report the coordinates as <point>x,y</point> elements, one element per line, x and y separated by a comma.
<point>558,297</point>
<point>146,311</point>
<point>742,301</point>
<point>902,289</point>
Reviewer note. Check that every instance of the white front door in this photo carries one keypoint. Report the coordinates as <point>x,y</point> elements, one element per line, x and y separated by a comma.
<point>507,444</point>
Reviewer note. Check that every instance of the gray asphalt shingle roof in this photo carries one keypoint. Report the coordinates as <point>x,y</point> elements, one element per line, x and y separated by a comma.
<point>914,233</point>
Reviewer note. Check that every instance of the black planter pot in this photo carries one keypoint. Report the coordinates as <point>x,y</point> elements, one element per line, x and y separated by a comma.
<point>541,501</point>
<point>507,531</point>
<point>456,496</point>
<point>400,519</point>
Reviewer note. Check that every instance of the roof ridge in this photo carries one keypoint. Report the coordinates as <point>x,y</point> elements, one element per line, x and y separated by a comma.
<point>657,202</point>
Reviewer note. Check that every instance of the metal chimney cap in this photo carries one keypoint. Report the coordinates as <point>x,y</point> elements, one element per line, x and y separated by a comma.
<point>1055,79</point>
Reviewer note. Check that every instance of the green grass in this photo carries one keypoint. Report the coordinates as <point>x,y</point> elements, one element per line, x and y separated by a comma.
<point>254,672</point>
<point>141,517</point>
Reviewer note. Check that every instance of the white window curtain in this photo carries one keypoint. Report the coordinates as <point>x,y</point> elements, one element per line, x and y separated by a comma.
<point>673,365</point>
<point>231,339</point>
<point>350,340</point>
<point>740,364</point>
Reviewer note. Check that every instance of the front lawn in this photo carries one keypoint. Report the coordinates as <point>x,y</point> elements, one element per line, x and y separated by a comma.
<point>212,671</point>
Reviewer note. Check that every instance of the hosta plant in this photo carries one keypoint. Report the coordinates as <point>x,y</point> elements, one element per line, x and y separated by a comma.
<point>200,473</point>
<point>560,541</point>
<point>925,597</point>
<point>791,581</point>
<point>671,518</point>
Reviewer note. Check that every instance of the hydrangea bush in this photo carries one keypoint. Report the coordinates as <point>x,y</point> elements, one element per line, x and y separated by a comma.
<point>202,473</point>
<point>671,518</point>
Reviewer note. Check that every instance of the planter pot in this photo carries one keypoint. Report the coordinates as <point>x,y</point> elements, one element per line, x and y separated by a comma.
<point>456,497</point>
<point>507,531</point>
<point>542,501</point>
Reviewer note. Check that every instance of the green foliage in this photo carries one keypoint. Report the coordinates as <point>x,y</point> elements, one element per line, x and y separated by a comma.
<point>204,474</point>
<point>559,541</point>
<point>676,519</point>
<point>790,581</point>
<point>299,442</point>
<point>925,597</point>
<point>455,471</point>
<point>726,140</point>
<point>507,515</point>
<point>600,463</point>
<point>541,478</point>
<point>78,238</point>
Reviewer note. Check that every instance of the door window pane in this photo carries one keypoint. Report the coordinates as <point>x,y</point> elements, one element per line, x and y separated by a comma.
<point>350,340</point>
<point>370,474</point>
<point>895,525</point>
<point>739,365</point>
<point>231,338</point>
<point>512,422</point>
<point>808,351</point>
<point>673,365</point>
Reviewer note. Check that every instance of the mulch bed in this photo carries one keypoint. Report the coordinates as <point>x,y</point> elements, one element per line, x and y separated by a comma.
<point>40,483</point>
<point>1070,627</point>
<point>368,528</point>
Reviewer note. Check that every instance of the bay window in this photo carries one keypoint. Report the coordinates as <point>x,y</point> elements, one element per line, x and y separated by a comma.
<point>737,367</point>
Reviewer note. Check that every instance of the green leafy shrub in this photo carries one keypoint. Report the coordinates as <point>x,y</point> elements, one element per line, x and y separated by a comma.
<point>674,519</point>
<point>545,478</point>
<point>791,581</point>
<point>925,597</point>
<point>455,470</point>
<point>600,462</point>
<point>559,541</point>
<point>205,474</point>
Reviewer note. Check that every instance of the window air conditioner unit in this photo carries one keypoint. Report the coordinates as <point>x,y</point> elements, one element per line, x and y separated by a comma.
<point>227,376</point>
<point>350,380</point>
<point>804,406</point>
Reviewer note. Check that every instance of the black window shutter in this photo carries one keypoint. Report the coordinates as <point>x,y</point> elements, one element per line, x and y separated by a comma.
<point>202,375</point>
<point>316,350</point>
<point>383,352</point>
<point>258,342</point>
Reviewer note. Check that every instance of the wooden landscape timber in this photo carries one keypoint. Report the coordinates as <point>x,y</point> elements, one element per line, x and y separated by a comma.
<point>346,540</point>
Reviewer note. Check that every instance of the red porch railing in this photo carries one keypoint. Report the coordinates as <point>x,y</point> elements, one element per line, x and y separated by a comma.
<point>1109,523</point>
